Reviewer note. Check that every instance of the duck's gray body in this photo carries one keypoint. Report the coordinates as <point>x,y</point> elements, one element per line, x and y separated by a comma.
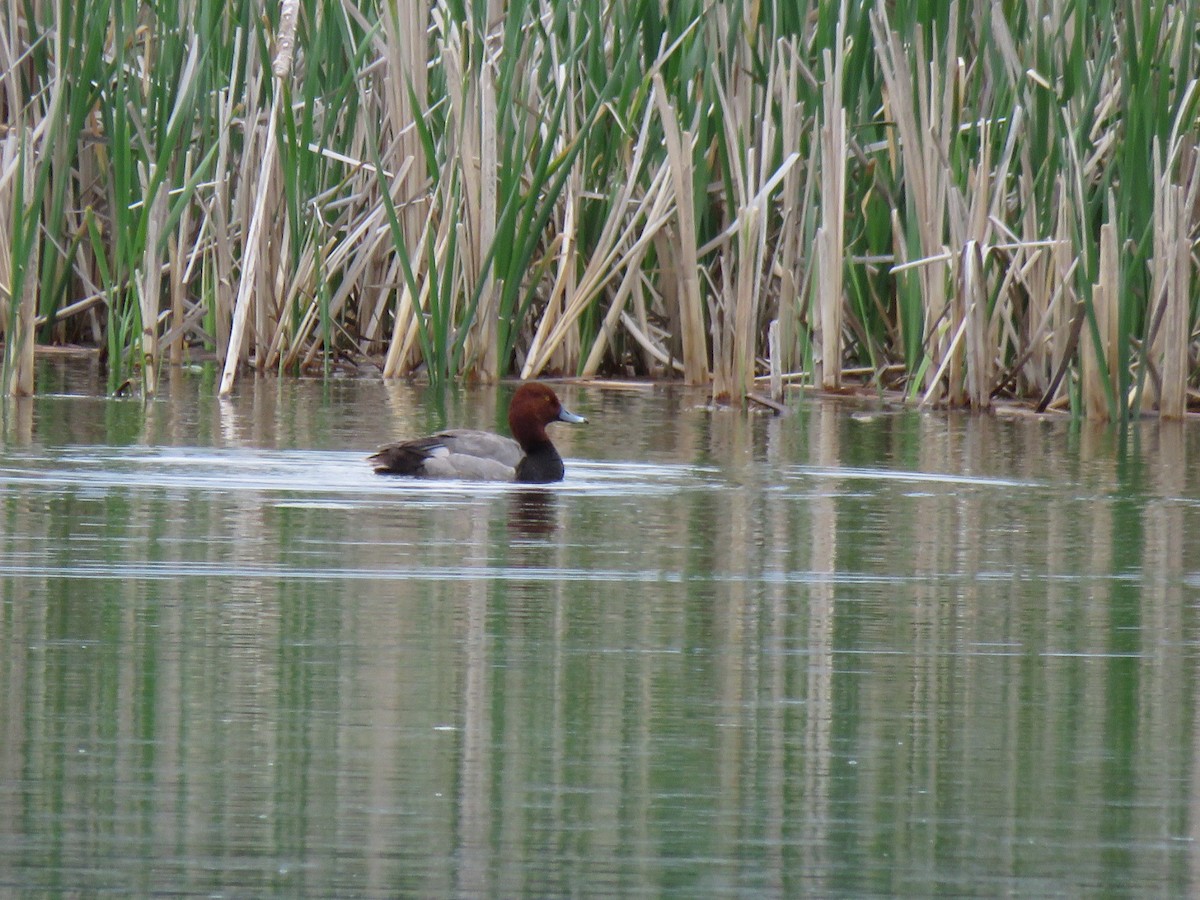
<point>458,453</point>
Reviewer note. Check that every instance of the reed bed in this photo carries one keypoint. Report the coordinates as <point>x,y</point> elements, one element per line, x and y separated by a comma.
<point>963,201</point>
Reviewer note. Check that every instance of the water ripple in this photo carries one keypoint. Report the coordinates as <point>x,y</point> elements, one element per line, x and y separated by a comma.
<point>315,472</point>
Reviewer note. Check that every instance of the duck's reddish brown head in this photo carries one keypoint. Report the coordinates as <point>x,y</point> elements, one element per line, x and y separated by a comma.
<point>533,407</point>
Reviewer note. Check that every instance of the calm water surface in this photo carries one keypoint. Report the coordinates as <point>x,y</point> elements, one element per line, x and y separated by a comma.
<point>830,654</point>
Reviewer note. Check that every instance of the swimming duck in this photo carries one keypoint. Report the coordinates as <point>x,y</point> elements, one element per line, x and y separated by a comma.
<point>483,456</point>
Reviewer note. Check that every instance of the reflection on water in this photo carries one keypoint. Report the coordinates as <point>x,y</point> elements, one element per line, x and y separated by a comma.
<point>533,511</point>
<point>728,656</point>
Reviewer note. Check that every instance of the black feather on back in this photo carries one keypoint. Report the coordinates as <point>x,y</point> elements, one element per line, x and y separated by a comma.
<point>406,458</point>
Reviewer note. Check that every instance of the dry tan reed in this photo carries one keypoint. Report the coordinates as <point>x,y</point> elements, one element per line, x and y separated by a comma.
<point>965,201</point>
<point>682,247</point>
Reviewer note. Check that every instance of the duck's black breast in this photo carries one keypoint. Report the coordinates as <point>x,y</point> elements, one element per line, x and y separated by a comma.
<point>540,465</point>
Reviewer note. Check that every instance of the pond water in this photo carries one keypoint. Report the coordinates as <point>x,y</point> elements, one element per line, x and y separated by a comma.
<point>845,652</point>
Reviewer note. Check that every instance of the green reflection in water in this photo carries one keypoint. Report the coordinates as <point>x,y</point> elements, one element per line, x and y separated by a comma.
<point>832,655</point>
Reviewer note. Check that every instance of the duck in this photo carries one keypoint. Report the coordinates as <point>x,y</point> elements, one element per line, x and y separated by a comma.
<point>528,457</point>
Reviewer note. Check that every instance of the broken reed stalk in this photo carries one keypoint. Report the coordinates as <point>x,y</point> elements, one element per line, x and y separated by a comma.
<point>282,68</point>
<point>252,249</point>
<point>970,229</point>
<point>1097,356</point>
<point>691,303</point>
<point>1171,264</point>
<point>10,159</point>
<point>176,251</point>
<point>831,235</point>
<point>974,295</point>
<point>151,288</point>
<point>796,200</point>
<point>23,239</point>
<point>773,361</point>
<point>1170,327</point>
<point>922,105</point>
<point>479,134</point>
<point>485,337</point>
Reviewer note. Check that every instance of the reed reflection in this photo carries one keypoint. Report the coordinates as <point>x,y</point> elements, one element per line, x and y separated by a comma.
<point>16,420</point>
<point>803,671</point>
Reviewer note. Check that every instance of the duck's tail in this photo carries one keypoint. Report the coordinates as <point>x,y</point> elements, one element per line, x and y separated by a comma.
<point>407,458</point>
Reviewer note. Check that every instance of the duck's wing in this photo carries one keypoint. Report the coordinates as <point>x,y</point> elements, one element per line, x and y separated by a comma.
<point>482,445</point>
<point>461,453</point>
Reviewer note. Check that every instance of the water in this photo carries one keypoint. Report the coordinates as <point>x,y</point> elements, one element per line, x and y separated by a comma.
<point>848,652</point>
